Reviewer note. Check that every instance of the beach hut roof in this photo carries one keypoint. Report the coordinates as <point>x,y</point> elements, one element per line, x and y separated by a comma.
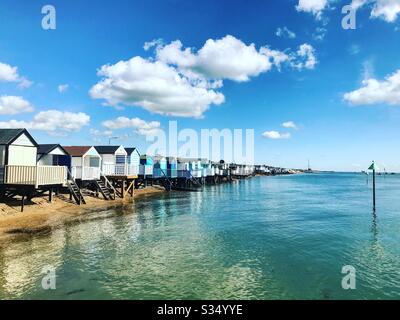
<point>129,151</point>
<point>188,159</point>
<point>107,149</point>
<point>158,157</point>
<point>47,148</point>
<point>8,136</point>
<point>77,151</point>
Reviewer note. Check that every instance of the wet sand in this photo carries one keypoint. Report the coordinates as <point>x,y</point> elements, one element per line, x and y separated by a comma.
<point>40,215</point>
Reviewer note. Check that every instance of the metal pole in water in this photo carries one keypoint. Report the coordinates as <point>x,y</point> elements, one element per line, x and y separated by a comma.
<point>373,168</point>
<point>373,189</point>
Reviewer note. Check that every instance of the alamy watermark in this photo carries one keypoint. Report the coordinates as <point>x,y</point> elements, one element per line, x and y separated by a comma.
<point>349,20</point>
<point>349,280</point>
<point>49,20</point>
<point>232,146</point>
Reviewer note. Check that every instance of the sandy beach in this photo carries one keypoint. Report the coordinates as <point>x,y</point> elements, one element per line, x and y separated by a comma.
<point>40,215</point>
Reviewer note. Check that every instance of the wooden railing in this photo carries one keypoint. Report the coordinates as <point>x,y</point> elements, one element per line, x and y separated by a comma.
<point>120,170</point>
<point>35,175</point>
<point>85,173</point>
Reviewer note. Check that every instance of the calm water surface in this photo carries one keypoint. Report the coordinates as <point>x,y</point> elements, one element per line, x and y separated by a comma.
<point>284,237</point>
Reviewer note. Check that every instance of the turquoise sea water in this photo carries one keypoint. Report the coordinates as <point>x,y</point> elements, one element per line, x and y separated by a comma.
<point>284,237</point>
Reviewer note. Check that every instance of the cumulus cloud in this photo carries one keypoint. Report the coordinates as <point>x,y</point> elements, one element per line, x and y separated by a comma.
<point>141,127</point>
<point>387,10</point>
<point>10,74</point>
<point>276,135</point>
<point>306,57</point>
<point>185,82</point>
<point>226,58</point>
<point>374,91</point>
<point>289,124</point>
<point>285,33</point>
<point>312,6</point>
<point>10,105</point>
<point>51,121</point>
<point>62,88</point>
<point>155,86</point>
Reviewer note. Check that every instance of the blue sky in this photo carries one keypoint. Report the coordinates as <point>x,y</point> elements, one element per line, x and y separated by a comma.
<point>342,123</point>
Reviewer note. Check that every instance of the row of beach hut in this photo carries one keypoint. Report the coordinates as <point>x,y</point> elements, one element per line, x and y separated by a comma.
<point>28,168</point>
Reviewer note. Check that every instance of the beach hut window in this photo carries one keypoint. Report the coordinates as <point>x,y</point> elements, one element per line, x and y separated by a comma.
<point>120,159</point>
<point>94,162</point>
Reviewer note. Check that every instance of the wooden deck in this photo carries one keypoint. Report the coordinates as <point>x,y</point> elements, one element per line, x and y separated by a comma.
<point>35,175</point>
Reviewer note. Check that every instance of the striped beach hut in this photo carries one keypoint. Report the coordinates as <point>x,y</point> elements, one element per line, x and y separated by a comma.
<point>159,167</point>
<point>114,160</point>
<point>189,167</point>
<point>146,166</point>
<point>133,160</point>
<point>172,167</point>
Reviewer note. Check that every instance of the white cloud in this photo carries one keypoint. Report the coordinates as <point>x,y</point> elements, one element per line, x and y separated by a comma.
<point>63,87</point>
<point>98,133</point>
<point>154,86</point>
<point>10,74</point>
<point>13,104</point>
<point>154,43</point>
<point>306,55</point>
<point>51,121</point>
<point>276,135</point>
<point>285,32</point>
<point>373,91</point>
<point>289,124</point>
<point>312,6</point>
<point>226,58</point>
<point>141,127</point>
<point>387,10</point>
<point>184,82</point>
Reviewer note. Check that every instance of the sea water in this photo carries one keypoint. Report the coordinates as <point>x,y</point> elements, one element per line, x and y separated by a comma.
<point>282,237</point>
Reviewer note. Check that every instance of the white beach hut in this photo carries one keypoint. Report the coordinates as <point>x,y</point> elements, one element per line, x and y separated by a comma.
<point>85,162</point>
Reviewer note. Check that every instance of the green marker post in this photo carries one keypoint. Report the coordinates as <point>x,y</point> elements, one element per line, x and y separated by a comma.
<point>373,167</point>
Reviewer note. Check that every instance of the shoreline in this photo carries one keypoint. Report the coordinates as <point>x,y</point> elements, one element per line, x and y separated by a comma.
<point>40,216</point>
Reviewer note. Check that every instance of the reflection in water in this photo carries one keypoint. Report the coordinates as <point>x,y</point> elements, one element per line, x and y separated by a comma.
<point>264,238</point>
<point>22,263</point>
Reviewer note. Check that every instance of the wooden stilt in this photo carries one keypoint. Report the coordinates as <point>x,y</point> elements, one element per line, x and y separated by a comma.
<point>50,195</point>
<point>123,188</point>
<point>22,203</point>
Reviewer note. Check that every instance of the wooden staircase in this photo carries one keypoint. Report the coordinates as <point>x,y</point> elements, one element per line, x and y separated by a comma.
<point>106,188</point>
<point>74,190</point>
<point>165,182</point>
